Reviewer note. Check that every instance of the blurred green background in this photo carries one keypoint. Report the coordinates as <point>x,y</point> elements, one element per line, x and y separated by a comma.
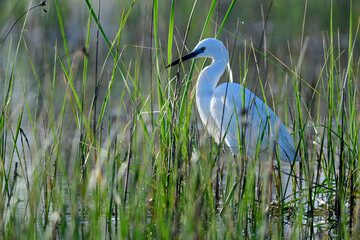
<point>296,38</point>
<point>286,32</point>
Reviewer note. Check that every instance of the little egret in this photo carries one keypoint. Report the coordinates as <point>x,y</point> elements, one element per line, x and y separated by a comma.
<point>233,112</point>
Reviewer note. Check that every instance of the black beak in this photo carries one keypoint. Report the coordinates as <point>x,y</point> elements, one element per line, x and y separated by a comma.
<point>185,58</point>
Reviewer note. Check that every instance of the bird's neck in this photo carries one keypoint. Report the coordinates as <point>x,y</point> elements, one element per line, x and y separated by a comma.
<point>209,78</point>
<point>205,88</point>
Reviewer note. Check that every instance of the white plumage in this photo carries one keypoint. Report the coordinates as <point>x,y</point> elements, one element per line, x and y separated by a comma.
<point>229,109</point>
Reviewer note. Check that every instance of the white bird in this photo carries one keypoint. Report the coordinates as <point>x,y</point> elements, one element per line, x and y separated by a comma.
<point>233,112</point>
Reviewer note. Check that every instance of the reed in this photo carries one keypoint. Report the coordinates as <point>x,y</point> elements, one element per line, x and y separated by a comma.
<point>99,140</point>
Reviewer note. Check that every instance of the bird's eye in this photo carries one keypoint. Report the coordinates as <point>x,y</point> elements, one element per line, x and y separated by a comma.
<point>203,48</point>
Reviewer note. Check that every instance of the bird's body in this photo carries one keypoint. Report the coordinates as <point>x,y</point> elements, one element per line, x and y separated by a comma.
<point>231,112</point>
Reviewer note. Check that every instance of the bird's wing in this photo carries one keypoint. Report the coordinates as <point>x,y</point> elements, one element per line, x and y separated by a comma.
<point>233,120</point>
<point>278,132</point>
<point>241,112</point>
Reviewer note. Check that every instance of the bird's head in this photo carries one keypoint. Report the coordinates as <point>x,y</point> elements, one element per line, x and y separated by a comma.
<point>210,47</point>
